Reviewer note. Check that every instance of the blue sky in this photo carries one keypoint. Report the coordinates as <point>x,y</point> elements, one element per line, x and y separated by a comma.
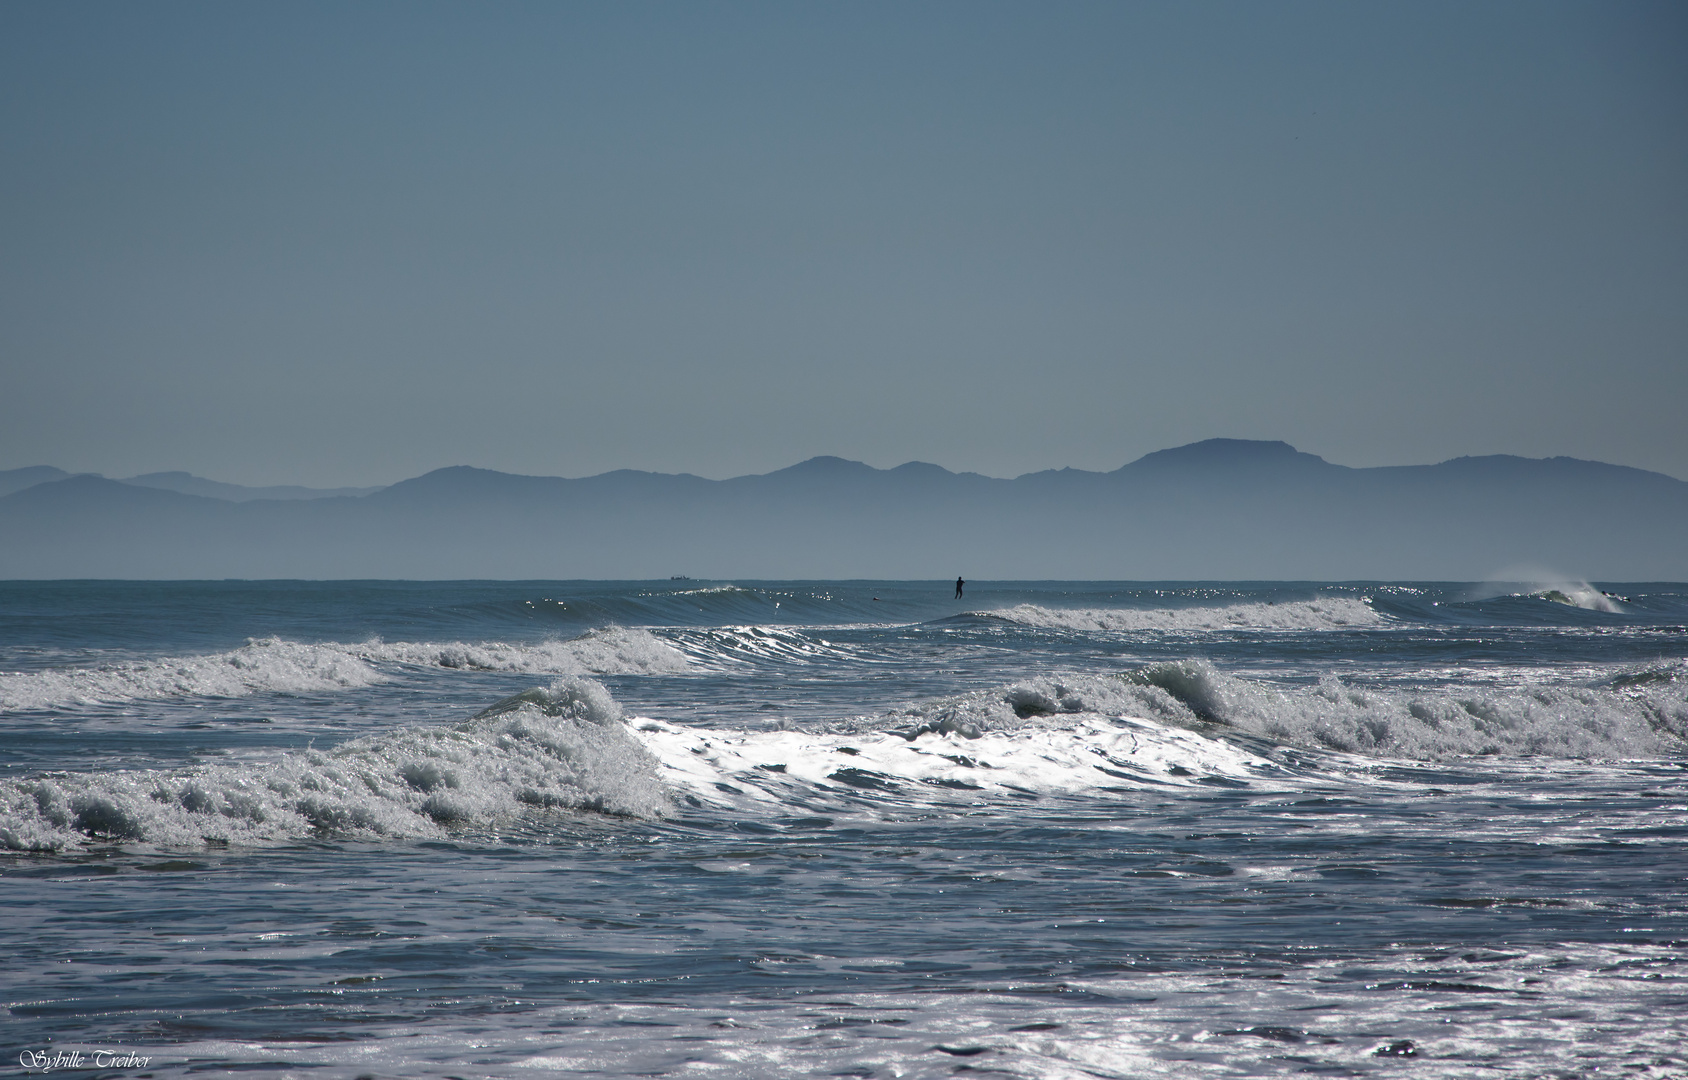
<point>347,243</point>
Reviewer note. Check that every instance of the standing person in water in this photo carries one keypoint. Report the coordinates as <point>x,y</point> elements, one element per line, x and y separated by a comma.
<point>958,584</point>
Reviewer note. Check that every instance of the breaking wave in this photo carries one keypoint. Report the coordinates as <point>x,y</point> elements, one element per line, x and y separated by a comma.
<point>723,648</point>
<point>1325,613</point>
<point>273,665</point>
<point>565,746</point>
<point>1642,714</point>
<point>611,651</point>
<point>1165,726</point>
<point>1172,724</point>
<point>796,769</point>
<point>1582,595</point>
<point>268,665</point>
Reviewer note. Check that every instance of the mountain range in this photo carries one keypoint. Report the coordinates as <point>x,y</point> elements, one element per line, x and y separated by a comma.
<point>188,484</point>
<point>1220,509</point>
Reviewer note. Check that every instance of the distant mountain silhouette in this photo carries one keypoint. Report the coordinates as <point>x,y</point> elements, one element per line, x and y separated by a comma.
<point>188,484</point>
<point>1224,508</point>
<point>1229,455</point>
<point>17,479</point>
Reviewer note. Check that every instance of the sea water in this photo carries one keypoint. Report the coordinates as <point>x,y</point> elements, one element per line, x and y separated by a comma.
<point>492,829</point>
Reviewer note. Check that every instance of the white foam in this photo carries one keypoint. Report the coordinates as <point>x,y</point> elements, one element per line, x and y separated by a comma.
<point>1640,715</point>
<point>273,665</point>
<point>564,747</point>
<point>707,590</point>
<point>1553,1010</point>
<point>725,647</point>
<point>1169,724</point>
<point>1324,613</point>
<point>1546,584</point>
<point>1582,595</point>
<point>269,665</point>
<point>610,651</point>
<point>932,753</point>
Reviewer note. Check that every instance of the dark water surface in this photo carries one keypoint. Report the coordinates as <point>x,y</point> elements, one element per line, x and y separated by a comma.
<point>857,829</point>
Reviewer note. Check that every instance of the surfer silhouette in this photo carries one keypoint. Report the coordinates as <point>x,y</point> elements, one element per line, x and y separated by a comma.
<point>958,584</point>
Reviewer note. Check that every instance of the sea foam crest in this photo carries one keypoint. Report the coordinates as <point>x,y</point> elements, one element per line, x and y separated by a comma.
<point>724,648</point>
<point>1081,755</point>
<point>1643,714</point>
<point>1324,613</point>
<point>610,651</point>
<point>1056,736</point>
<point>1581,594</point>
<point>268,665</point>
<point>1181,723</point>
<point>273,665</point>
<point>565,746</point>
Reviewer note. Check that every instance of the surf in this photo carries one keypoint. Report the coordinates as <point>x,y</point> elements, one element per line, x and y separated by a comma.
<point>562,747</point>
<point>1324,613</point>
<point>279,666</point>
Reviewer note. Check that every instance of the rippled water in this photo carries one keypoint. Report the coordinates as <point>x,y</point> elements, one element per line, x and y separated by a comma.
<point>1092,829</point>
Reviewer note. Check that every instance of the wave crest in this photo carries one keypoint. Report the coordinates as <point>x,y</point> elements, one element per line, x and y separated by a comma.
<point>1644,716</point>
<point>563,746</point>
<point>1325,613</point>
<point>273,665</point>
<point>609,651</point>
<point>269,665</point>
<point>1181,724</point>
<point>725,648</point>
<point>1082,756</point>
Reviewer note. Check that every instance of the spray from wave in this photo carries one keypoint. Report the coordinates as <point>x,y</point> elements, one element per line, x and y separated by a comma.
<point>1545,584</point>
<point>1582,595</point>
<point>565,746</point>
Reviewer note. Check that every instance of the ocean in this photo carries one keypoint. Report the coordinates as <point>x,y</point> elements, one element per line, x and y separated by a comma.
<point>860,829</point>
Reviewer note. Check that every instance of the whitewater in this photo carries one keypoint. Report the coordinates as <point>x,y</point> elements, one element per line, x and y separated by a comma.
<point>484,829</point>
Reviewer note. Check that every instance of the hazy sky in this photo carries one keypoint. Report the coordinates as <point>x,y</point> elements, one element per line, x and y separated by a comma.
<point>346,243</point>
